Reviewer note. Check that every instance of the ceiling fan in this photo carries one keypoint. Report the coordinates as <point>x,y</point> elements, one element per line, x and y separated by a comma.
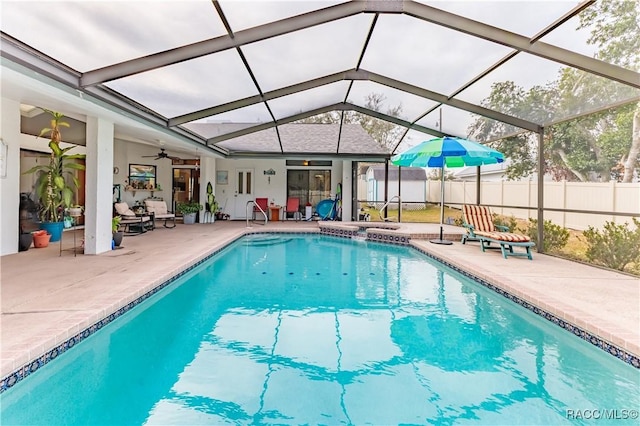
<point>161,155</point>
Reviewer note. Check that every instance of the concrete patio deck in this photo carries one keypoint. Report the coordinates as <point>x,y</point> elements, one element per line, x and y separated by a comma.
<point>48,298</point>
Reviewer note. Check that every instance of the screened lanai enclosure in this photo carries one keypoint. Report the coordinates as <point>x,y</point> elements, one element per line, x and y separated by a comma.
<point>553,85</point>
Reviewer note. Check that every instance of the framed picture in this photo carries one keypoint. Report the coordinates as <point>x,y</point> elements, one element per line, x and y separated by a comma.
<point>222,177</point>
<point>142,176</point>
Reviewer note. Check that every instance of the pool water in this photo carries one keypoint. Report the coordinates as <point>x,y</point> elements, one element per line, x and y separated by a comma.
<point>310,329</point>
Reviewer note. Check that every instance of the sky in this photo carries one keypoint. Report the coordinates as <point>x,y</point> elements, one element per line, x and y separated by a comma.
<point>87,35</point>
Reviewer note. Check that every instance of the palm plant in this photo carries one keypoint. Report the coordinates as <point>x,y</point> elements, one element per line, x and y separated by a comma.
<point>54,192</point>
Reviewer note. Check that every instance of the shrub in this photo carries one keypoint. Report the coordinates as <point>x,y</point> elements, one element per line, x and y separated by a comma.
<point>616,246</point>
<point>510,222</point>
<point>555,236</point>
<point>188,207</point>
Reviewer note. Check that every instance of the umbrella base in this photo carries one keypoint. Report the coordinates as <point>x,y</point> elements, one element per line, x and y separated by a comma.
<point>441,240</point>
<point>444,242</point>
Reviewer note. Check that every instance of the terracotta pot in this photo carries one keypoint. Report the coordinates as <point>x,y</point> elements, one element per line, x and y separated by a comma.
<point>41,239</point>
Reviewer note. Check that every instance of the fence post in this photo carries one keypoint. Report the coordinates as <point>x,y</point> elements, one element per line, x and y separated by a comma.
<point>564,203</point>
<point>529,183</point>
<point>613,198</point>
<point>502,196</point>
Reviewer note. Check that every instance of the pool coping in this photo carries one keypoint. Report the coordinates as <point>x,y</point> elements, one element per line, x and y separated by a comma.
<point>587,331</point>
<point>388,236</point>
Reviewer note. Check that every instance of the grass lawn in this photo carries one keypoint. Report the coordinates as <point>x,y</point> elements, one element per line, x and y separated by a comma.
<point>575,249</point>
<point>429,215</point>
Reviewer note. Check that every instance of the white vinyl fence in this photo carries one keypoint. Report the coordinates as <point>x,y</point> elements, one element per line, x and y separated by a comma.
<point>593,196</point>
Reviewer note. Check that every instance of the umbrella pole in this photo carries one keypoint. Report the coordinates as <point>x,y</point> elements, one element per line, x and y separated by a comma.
<point>442,198</point>
<point>441,240</point>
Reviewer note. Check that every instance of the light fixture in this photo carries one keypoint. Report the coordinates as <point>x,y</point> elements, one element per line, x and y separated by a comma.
<point>269,173</point>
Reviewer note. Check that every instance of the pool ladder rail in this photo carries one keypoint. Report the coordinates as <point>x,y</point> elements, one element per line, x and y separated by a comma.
<point>252,204</point>
<point>389,219</point>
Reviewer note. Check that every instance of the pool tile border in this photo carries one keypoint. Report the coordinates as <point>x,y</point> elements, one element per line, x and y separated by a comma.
<point>16,376</point>
<point>391,238</point>
<point>600,343</point>
<point>31,367</point>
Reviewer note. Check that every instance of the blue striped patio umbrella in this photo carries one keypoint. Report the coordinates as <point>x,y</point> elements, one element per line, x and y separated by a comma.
<point>447,152</point>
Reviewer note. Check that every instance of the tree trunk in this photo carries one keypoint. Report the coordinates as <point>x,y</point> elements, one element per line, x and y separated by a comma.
<point>563,156</point>
<point>634,150</point>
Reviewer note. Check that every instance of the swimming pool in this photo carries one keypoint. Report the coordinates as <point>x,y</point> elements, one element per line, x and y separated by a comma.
<point>314,329</point>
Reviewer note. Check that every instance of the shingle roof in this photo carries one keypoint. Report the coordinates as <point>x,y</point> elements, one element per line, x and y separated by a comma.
<point>408,173</point>
<point>296,138</point>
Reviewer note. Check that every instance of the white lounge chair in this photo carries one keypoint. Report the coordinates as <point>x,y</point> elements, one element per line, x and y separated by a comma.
<point>160,212</point>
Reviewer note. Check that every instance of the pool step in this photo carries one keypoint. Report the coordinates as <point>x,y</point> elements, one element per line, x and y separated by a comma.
<point>265,240</point>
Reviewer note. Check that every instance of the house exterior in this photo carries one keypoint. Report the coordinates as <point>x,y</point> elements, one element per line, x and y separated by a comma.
<point>311,169</point>
<point>488,173</point>
<point>413,184</point>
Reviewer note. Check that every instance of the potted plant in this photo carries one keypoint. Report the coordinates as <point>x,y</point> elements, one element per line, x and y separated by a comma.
<point>25,240</point>
<point>75,210</point>
<point>212,204</point>
<point>115,230</point>
<point>52,188</point>
<point>28,211</point>
<point>41,238</point>
<point>189,211</point>
<point>214,207</point>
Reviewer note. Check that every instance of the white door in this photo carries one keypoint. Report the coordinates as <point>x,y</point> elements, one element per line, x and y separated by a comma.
<point>243,193</point>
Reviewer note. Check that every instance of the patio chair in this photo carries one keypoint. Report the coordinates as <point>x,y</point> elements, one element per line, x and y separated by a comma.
<point>133,223</point>
<point>159,211</point>
<point>293,208</point>
<point>480,227</point>
<point>263,203</point>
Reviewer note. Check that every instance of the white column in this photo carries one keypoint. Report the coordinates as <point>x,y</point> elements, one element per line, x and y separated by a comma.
<point>347,193</point>
<point>99,186</point>
<point>10,183</point>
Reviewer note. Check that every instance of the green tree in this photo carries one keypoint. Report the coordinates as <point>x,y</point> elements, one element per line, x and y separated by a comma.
<point>616,32</point>
<point>604,144</point>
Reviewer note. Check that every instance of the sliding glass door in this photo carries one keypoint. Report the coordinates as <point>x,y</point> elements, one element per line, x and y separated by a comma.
<point>309,185</point>
<point>186,186</point>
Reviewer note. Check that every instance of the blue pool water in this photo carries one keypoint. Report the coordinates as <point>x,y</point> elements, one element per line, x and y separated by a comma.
<point>287,329</point>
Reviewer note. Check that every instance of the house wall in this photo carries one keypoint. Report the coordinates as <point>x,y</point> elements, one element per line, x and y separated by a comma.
<point>273,187</point>
<point>126,153</point>
<point>491,176</point>
<point>10,179</point>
